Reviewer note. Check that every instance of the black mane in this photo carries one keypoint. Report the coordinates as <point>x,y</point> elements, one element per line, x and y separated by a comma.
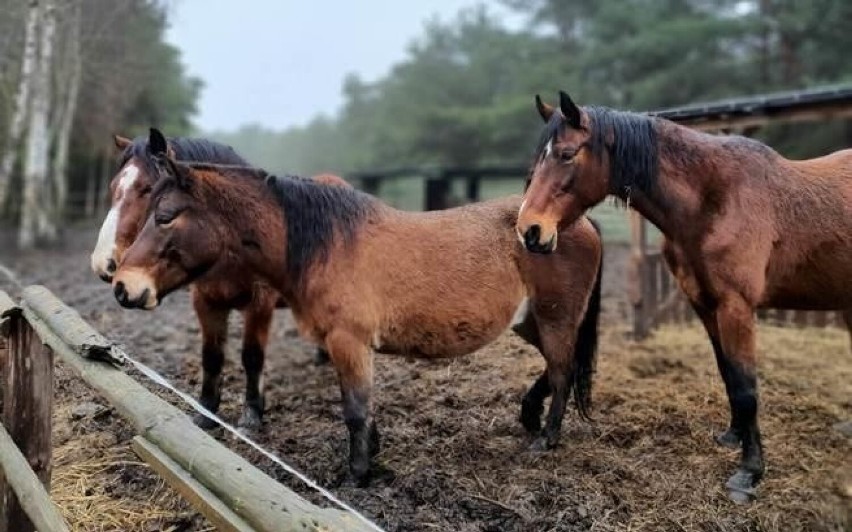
<point>630,140</point>
<point>185,149</point>
<point>315,213</point>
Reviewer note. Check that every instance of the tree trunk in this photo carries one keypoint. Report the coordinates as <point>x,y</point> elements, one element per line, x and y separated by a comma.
<point>35,213</point>
<point>66,116</point>
<point>22,101</point>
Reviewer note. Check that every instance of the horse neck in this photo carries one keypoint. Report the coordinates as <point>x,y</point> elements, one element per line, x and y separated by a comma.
<point>689,171</point>
<point>258,235</point>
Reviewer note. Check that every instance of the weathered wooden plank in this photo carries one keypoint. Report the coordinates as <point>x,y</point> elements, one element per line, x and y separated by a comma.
<point>27,410</point>
<point>261,501</point>
<point>219,515</point>
<point>29,491</point>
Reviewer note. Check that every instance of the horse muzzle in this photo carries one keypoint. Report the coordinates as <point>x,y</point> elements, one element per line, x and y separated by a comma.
<point>532,240</point>
<point>104,268</point>
<point>135,290</point>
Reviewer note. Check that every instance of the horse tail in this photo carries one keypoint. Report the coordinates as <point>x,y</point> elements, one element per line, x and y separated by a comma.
<point>587,345</point>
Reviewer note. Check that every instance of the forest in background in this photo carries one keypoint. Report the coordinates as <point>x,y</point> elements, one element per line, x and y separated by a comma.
<point>72,73</point>
<point>464,94</point>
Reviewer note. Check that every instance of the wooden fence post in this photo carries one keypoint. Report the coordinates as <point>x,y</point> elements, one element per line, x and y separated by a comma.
<point>437,194</point>
<point>639,275</point>
<point>371,185</point>
<point>27,409</point>
<point>472,188</point>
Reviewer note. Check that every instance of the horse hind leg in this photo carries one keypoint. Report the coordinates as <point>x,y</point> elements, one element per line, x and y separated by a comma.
<point>258,318</point>
<point>214,331</point>
<point>847,317</point>
<point>354,364</point>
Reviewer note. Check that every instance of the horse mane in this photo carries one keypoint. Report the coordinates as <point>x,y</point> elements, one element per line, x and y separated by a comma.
<point>631,142</point>
<point>185,149</point>
<point>316,214</point>
<point>630,139</point>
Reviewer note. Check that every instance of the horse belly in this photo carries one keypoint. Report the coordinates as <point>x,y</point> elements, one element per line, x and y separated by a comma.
<point>821,280</point>
<point>448,334</point>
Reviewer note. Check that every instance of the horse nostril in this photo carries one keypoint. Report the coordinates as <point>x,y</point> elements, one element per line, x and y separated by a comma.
<point>111,266</point>
<point>532,235</point>
<point>120,292</point>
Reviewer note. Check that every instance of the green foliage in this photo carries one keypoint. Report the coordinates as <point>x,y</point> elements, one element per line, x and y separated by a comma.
<point>463,95</point>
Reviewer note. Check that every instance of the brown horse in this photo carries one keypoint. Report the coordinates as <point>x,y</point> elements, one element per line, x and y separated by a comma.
<point>212,302</point>
<point>745,228</point>
<point>361,276</point>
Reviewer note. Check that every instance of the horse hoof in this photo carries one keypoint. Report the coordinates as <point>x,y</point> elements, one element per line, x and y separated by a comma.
<point>541,444</point>
<point>742,487</point>
<point>204,422</point>
<point>360,474</point>
<point>250,421</point>
<point>728,439</point>
<point>321,357</point>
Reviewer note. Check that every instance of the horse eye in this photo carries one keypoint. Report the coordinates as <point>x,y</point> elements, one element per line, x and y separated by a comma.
<point>567,156</point>
<point>165,218</point>
<point>145,190</point>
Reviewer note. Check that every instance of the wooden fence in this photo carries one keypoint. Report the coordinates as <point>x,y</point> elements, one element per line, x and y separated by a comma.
<point>656,298</point>
<point>230,492</point>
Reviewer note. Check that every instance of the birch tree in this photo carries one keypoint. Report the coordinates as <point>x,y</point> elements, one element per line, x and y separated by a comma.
<point>36,222</point>
<point>22,100</point>
<point>68,108</point>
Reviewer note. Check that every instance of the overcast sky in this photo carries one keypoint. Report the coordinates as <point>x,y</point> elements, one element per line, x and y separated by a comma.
<point>280,62</point>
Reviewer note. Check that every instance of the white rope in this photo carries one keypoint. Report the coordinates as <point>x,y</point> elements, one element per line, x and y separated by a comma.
<point>11,276</point>
<point>195,405</point>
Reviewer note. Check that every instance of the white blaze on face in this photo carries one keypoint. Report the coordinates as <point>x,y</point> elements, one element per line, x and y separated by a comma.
<point>520,211</point>
<point>549,148</point>
<point>105,248</point>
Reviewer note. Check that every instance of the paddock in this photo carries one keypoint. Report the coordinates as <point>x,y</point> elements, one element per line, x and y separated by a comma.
<point>454,454</point>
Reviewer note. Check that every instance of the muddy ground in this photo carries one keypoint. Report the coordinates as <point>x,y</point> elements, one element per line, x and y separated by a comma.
<point>454,456</point>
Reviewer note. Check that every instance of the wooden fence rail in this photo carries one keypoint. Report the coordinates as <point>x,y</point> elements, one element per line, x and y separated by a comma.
<point>230,491</point>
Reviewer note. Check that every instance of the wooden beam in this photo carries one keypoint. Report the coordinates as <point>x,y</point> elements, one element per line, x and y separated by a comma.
<point>262,502</point>
<point>219,515</point>
<point>42,513</point>
<point>751,121</point>
<point>27,411</point>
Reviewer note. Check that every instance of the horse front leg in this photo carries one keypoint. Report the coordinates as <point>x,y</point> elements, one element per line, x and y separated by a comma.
<point>353,361</point>
<point>847,317</point>
<point>735,320</point>
<point>532,405</point>
<point>730,438</point>
<point>557,340</point>
<point>258,318</point>
<point>214,332</point>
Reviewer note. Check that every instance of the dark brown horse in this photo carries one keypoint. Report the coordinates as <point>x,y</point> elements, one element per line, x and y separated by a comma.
<point>745,228</point>
<point>213,302</point>
<point>361,276</point>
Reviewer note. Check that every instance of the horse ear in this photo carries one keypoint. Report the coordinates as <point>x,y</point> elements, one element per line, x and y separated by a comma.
<point>157,142</point>
<point>546,111</point>
<point>121,142</point>
<point>569,109</point>
<point>182,174</point>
